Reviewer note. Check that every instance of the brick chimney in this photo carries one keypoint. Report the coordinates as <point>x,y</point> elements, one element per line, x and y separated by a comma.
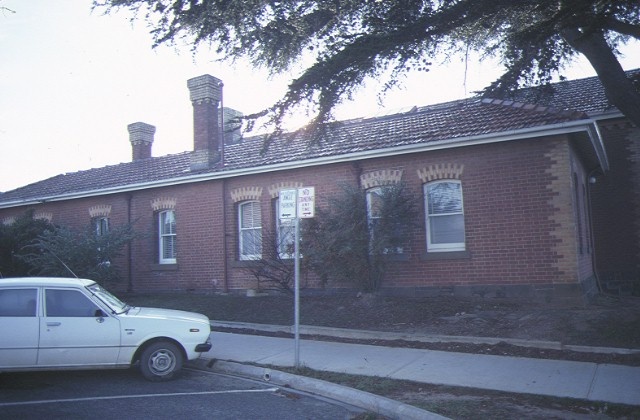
<point>206,95</point>
<point>231,125</point>
<point>141,138</point>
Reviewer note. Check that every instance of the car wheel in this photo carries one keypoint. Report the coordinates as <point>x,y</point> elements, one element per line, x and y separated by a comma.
<point>160,361</point>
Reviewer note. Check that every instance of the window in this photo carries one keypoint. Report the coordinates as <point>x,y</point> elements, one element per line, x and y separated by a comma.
<point>18,302</point>
<point>167,237</point>
<point>68,303</point>
<point>375,205</point>
<point>101,225</point>
<point>445,217</point>
<point>285,235</point>
<point>374,210</point>
<point>250,226</point>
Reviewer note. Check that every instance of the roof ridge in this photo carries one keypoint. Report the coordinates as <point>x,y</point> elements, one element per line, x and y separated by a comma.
<point>565,112</point>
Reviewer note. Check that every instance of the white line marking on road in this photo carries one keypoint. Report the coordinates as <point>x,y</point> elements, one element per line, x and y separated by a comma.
<point>116,397</point>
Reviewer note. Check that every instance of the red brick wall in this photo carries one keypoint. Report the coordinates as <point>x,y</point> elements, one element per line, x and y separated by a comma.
<point>518,204</point>
<point>516,231</point>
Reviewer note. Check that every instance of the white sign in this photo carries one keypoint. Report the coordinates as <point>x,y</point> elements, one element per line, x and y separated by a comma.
<point>306,202</point>
<point>287,204</point>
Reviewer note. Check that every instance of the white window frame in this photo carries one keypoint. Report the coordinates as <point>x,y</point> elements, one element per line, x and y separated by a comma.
<point>166,236</point>
<point>101,225</point>
<point>255,227</point>
<point>373,215</point>
<point>448,246</point>
<point>284,229</point>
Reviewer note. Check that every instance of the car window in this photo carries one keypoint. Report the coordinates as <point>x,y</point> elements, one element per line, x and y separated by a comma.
<point>18,302</point>
<point>110,300</point>
<point>68,303</point>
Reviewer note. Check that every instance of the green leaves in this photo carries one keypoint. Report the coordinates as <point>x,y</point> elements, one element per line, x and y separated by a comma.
<point>36,247</point>
<point>346,42</point>
<point>343,243</point>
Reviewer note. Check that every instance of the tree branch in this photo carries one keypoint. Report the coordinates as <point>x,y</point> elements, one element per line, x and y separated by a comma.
<point>619,89</point>
<point>623,27</point>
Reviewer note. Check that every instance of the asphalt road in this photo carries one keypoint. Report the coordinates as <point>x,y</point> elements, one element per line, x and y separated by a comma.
<point>125,394</point>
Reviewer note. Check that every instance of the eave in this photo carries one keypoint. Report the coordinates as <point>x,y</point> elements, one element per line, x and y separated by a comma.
<point>588,126</point>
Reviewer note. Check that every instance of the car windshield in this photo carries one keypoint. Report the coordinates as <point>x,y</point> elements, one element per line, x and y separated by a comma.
<point>113,302</point>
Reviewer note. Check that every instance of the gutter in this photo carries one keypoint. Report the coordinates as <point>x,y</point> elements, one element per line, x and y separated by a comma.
<point>588,126</point>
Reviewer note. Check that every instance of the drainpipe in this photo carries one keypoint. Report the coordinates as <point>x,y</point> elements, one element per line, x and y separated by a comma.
<point>129,249</point>
<point>225,264</point>
<point>221,127</point>
<point>594,265</point>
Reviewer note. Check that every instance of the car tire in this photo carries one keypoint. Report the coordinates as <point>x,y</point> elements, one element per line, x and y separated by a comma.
<point>161,361</point>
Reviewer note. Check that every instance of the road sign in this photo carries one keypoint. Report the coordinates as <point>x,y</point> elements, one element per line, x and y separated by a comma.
<point>306,202</point>
<point>287,204</point>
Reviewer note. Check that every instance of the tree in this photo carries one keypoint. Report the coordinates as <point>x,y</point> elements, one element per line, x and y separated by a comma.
<point>343,242</point>
<point>275,269</point>
<point>14,238</point>
<point>63,252</point>
<point>352,40</point>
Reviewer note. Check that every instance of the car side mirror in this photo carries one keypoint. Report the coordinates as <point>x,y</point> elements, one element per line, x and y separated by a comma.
<point>100,314</point>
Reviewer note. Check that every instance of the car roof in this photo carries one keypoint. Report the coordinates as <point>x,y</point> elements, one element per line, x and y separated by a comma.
<point>45,281</point>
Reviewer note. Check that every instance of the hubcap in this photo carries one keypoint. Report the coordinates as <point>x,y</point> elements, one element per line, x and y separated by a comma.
<point>162,362</point>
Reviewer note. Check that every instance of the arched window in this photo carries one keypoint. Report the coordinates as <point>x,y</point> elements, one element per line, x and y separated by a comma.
<point>250,230</point>
<point>444,216</point>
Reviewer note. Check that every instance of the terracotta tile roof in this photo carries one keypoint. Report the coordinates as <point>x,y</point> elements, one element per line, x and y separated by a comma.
<point>418,125</point>
<point>584,95</point>
<point>424,125</point>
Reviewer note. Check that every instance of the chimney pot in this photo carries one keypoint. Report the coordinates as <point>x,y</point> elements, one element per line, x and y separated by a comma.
<point>141,139</point>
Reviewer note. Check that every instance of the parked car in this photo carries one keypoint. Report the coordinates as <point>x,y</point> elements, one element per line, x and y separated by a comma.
<point>66,323</point>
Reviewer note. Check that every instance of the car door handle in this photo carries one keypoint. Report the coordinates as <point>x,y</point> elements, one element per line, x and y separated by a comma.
<point>53,324</point>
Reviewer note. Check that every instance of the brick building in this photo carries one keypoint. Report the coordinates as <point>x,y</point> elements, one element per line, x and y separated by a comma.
<point>536,196</point>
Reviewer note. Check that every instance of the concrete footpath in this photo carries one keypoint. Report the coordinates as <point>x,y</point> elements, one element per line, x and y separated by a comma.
<point>586,381</point>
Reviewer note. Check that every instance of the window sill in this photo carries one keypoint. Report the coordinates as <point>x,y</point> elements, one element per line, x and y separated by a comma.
<point>164,267</point>
<point>446,255</point>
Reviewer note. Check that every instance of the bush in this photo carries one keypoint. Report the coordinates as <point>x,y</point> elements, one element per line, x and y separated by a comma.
<point>345,243</point>
<point>14,238</point>
<point>31,247</point>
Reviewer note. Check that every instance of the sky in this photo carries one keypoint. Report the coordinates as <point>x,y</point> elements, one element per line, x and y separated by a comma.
<point>72,79</point>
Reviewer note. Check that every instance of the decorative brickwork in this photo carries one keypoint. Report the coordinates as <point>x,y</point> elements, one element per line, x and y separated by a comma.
<point>205,89</point>
<point>141,139</point>
<point>381,178</point>
<point>43,215</point>
<point>141,133</point>
<point>163,203</point>
<point>274,189</point>
<point>440,171</point>
<point>205,92</point>
<point>246,193</point>
<point>103,210</point>
<point>562,218</point>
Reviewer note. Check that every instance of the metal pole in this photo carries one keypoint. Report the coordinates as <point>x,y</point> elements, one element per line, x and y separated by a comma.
<point>297,293</point>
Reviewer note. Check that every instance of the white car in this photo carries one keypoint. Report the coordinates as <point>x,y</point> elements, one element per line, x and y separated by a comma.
<point>65,323</point>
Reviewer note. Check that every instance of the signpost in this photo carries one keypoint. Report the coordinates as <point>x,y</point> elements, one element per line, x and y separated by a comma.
<point>297,204</point>
<point>288,204</point>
